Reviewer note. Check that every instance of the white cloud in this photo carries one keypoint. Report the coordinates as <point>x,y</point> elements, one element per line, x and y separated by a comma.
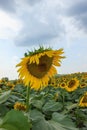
<point>9,26</point>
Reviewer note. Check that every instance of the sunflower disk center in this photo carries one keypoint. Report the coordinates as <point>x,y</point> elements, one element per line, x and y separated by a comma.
<point>41,69</point>
<point>84,99</point>
<point>71,83</point>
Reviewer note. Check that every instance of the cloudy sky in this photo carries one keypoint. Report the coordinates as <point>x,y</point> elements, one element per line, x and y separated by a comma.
<point>26,24</point>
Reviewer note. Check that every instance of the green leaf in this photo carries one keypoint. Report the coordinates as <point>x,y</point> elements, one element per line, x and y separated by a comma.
<point>64,120</point>
<point>58,117</point>
<point>42,125</point>
<point>52,106</point>
<point>1,121</point>
<point>70,107</point>
<point>3,109</point>
<point>37,103</point>
<point>39,122</point>
<point>15,120</point>
<point>36,115</point>
<point>4,96</point>
<point>2,129</point>
<point>56,125</point>
<point>59,126</point>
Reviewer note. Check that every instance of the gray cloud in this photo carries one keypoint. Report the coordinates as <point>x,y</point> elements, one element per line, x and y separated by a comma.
<point>41,39</point>
<point>37,32</point>
<point>78,11</point>
<point>41,25</point>
<point>42,19</point>
<point>8,5</point>
<point>33,2</point>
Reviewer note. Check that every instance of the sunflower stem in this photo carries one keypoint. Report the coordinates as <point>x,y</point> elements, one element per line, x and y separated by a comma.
<point>28,104</point>
<point>27,99</point>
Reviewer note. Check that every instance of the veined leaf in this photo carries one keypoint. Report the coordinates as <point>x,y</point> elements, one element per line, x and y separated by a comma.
<point>4,96</point>
<point>15,120</point>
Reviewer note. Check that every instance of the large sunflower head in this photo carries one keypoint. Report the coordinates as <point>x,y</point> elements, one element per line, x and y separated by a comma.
<point>72,85</point>
<point>38,66</point>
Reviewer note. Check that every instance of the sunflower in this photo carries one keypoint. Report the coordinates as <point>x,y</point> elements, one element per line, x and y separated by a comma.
<point>52,81</point>
<point>19,81</point>
<point>83,100</point>
<point>10,85</point>
<point>83,80</point>
<point>82,85</point>
<point>62,85</point>
<point>0,81</point>
<point>19,106</point>
<point>72,85</point>
<point>37,67</point>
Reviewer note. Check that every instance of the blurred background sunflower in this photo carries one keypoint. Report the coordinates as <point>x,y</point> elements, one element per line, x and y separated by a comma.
<point>72,85</point>
<point>19,106</point>
<point>38,66</point>
<point>83,100</point>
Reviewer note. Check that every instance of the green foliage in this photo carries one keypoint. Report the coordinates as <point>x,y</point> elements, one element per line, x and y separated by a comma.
<point>37,103</point>
<point>36,51</point>
<point>3,110</point>
<point>4,96</point>
<point>39,122</point>
<point>50,109</point>
<point>15,120</point>
<point>63,119</point>
<point>52,106</point>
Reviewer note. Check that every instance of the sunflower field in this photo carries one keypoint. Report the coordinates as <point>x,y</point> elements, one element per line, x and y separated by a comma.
<point>62,105</point>
<point>41,99</point>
